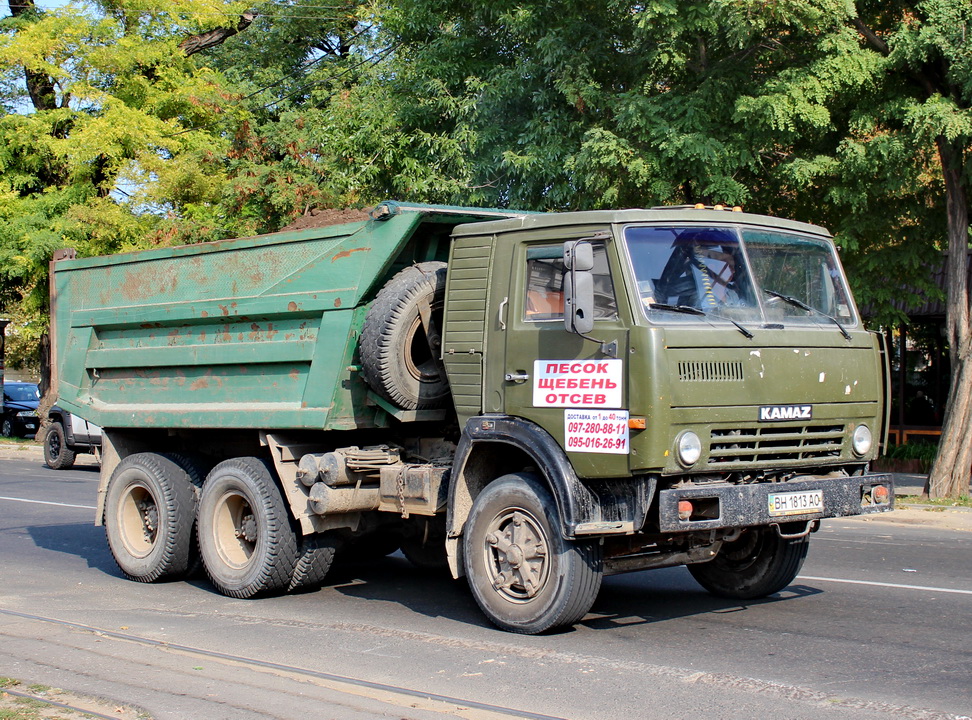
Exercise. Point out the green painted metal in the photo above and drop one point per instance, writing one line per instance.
(793, 365)
(248, 333)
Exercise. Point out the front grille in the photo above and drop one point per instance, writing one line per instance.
(775, 444)
(710, 371)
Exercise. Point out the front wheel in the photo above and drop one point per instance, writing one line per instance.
(758, 564)
(524, 575)
(245, 538)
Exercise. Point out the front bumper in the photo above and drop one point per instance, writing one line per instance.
(734, 506)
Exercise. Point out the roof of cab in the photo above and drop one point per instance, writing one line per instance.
(674, 214)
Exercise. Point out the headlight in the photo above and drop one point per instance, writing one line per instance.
(689, 448)
(26, 413)
(862, 440)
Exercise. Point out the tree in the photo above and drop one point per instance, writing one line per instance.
(911, 112)
(850, 115)
(108, 133)
(927, 46)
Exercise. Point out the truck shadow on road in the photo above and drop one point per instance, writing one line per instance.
(656, 596)
(634, 599)
(639, 598)
(83, 540)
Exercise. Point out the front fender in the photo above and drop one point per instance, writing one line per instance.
(585, 509)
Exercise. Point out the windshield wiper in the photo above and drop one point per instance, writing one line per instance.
(803, 306)
(689, 310)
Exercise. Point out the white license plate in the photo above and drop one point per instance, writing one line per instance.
(796, 503)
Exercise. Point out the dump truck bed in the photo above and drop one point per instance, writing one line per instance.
(249, 333)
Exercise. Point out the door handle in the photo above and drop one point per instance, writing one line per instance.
(517, 377)
(499, 316)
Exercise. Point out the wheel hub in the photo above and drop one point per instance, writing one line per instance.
(150, 518)
(248, 529)
(517, 555)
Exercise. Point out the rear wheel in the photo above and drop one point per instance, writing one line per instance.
(424, 545)
(57, 454)
(758, 564)
(314, 560)
(524, 575)
(149, 512)
(245, 538)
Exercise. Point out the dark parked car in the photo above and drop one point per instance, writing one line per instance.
(20, 401)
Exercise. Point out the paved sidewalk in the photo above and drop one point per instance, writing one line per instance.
(35, 451)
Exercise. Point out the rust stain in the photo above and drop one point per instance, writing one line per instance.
(294, 375)
(203, 382)
(224, 310)
(204, 314)
(174, 337)
(292, 306)
(347, 253)
(337, 302)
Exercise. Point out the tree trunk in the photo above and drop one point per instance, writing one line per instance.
(952, 469)
(40, 86)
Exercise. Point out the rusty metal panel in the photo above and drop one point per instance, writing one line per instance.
(248, 333)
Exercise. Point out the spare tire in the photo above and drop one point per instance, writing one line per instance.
(398, 360)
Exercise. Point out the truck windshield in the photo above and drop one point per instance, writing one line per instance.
(746, 275)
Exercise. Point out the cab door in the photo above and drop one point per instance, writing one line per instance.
(574, 387)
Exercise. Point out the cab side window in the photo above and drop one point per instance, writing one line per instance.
(545, 284)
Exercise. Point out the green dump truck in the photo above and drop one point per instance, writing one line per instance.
(531, 400)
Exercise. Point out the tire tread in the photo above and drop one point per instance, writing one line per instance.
(393, 306)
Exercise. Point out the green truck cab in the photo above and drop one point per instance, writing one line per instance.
(533, 400)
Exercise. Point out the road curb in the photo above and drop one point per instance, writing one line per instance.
(12, 450)
(15, 451)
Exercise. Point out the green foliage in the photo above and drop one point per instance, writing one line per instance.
(924, 451)
(118, 154)
(788, 107)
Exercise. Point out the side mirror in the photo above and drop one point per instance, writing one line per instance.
(578, 287)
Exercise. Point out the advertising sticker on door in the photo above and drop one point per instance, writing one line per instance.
(577, 383)
(596, 431)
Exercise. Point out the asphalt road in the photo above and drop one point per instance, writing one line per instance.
(876, 626)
